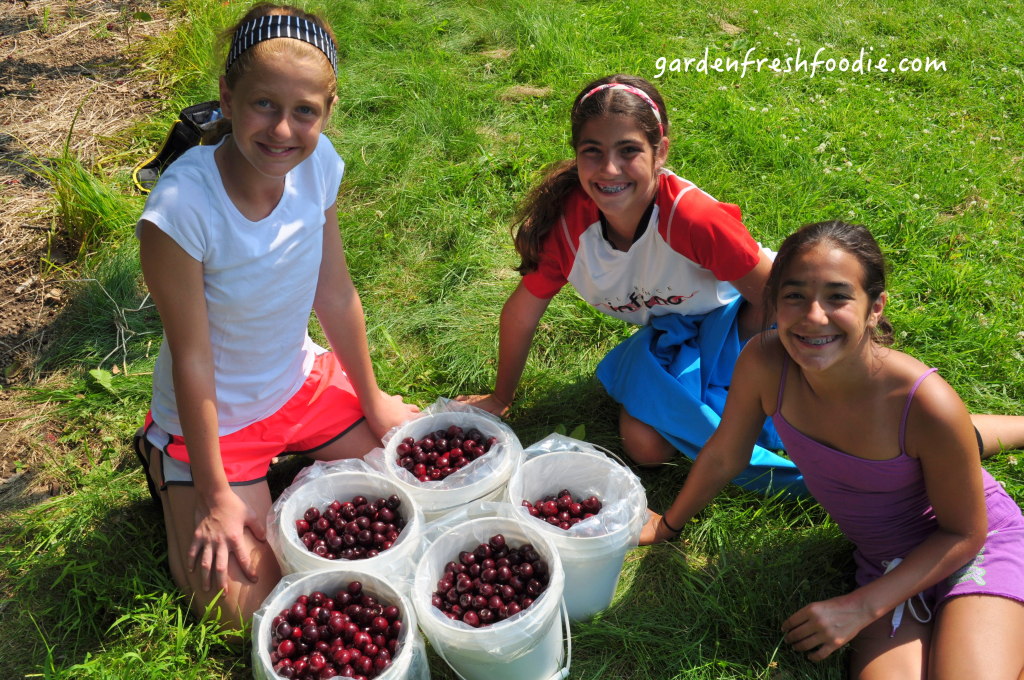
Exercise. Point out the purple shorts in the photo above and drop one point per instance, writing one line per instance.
(998, 568)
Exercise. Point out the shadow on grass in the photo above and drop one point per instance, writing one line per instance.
(682, 615)
(568, 404)
(87, 592)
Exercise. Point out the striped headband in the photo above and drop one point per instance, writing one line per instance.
(632, 90)
(281, 26)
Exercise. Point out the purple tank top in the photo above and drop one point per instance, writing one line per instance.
(881, 506)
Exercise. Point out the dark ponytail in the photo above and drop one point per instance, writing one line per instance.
(541, 210)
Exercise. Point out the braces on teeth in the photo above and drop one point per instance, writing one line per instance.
(819, 341)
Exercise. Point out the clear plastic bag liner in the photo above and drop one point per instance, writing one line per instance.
(409, 664)
(464, 513)
(558, 462)
(324, 482)
(507, 640)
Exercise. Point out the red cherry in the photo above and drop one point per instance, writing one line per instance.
(440, 453)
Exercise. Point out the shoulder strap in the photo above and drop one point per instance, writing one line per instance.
(906, 407)
(782, 382)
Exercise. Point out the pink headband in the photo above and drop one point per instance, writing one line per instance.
(632, 90)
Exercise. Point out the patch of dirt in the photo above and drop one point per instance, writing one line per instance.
(67, 79)
(518, 93)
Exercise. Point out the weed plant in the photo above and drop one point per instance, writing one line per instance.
(447, 112)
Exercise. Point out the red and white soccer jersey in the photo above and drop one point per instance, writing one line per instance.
(693, 246)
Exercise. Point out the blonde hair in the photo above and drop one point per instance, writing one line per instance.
(270, 50)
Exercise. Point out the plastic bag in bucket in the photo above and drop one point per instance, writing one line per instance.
(316, 487)
(409, 661)
(526, 646)
(592, 551)
(484, 478)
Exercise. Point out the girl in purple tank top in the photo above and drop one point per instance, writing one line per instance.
(889, 450)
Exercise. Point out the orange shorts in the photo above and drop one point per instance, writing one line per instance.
(323, 410)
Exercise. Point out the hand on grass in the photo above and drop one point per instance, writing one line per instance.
(486, 402)
(387, 412)
(655, 531)
(219, 534)
(821, 628)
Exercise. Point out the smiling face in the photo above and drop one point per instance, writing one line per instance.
(825, 316)
(277, 111)
(618, 168)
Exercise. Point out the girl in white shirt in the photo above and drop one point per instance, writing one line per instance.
(239, 242)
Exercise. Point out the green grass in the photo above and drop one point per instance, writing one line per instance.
(437, 158)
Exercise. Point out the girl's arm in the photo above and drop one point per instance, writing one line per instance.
(175, 280)
(939, 433)
(727, 452)
(519, 319)
(751, 286)
(340, 312)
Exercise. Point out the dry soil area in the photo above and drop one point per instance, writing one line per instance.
(69, 76)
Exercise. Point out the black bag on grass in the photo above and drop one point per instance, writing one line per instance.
(185, 133)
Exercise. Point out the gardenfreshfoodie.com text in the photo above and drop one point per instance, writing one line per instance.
(863, 63)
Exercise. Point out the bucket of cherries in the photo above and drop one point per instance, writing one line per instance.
(342, 514)
(450, 456)
(337, 624)
(591, 507)
(488, 594)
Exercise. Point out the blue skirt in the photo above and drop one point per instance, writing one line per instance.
(674, 375)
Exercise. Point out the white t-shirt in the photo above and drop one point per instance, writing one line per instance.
(692, 247)
(259, 281)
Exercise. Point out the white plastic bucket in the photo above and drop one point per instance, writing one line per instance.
(527, 646)
(483, 479)
(592, 552)
(397, 563)
(410, 663)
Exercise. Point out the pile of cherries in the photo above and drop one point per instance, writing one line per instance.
(491, 583)
(563, 510)
(443, 452)
(352, 530)
(350, 635)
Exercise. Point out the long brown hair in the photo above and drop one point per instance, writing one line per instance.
(268, 49)
(854, 239)
(543, 205)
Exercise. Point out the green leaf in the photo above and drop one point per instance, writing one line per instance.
(580, 432)
(104, 379)
(142, 16)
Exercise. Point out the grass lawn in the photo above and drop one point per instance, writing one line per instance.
(447, 112)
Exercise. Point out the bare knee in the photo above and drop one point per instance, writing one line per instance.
(642, 443)
(233, 600)
(232, 607)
